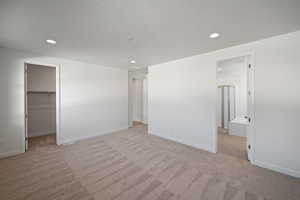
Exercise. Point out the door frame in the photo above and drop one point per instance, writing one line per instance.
(250, 128)
(57, 100)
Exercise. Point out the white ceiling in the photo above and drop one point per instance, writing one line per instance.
(112, 32)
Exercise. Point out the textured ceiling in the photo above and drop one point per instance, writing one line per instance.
(112, 32)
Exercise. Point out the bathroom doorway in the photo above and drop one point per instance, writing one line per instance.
(234, 111)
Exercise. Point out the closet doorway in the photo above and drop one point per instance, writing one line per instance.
(138, 99)
(41, 106)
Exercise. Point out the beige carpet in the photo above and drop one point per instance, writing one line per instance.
(132, 165)
(232, 145)
(136, 124)
(41, 141)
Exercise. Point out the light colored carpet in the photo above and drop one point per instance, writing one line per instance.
(41, 141)
(132, 165)
(136, 123)
(232, 145)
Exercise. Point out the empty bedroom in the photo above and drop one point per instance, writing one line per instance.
(149, 100)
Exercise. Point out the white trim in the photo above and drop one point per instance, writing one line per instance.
(76, 139)
(10, 153)
(190, 144)
(58, 104)
(250, 130)
(39, 63)
(277, 168)
(24, 142)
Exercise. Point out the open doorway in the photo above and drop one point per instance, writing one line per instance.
(138, 99)
(234, 111)
(41, 110)
(137, 102)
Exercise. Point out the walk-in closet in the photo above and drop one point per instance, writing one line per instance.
(40, 106)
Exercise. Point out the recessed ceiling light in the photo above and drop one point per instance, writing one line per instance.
(219, 69)
(133, 61)
(51, 41)
(214, 35)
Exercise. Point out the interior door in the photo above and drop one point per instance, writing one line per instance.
(250, 108)
(26, 107)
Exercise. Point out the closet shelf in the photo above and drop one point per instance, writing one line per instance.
(41, 92)
(40, 107)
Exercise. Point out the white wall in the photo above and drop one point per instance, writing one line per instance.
(182, 106)
(41, 114)
(41, 78)
(94, 99)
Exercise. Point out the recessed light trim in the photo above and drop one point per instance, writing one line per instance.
(49, 41)
(214, 35)
(132, 61)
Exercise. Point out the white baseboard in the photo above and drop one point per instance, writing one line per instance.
(277, 168)
(272, 167)
(76, 139)
(191, 144)
(10, 153)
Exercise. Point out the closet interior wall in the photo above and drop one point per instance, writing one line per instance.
(41, 98)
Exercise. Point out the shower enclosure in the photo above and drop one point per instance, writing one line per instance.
(226, 105)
